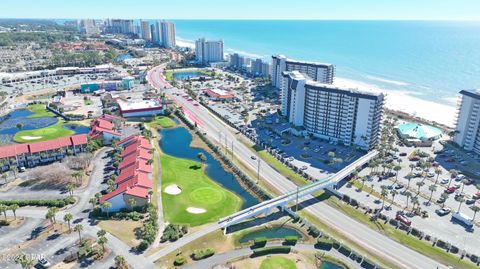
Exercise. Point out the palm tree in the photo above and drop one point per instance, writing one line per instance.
(93, 201)
(101, 233)
(460, 202)
(201, 157)
(24, 260)
(67, 218)
(19, 125)
(412, 166)
(131, 203)
(4, 177)
(120, 262)
(415, 202)
(393, 193)
(419, 185)
(453, 173)
(383, 194)
(14, 208)
(432, 188)
(78, 175)
(51, 214)
(102, 240)
(444, 197)
(70, 189)
(409, 177)
(408, 195)
(78, 228)
(475, 209)
(3, 209)
(397, 168)
(464, 181)
(14, 170)
(106, 206)
(438, 171)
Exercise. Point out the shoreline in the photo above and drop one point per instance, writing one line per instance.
(395, 100)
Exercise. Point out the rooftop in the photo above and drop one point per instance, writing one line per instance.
(140, 104)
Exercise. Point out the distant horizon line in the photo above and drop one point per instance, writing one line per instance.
(245, 19)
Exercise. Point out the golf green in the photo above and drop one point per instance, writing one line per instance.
(277, 262)
(198, 191)
(43, 134)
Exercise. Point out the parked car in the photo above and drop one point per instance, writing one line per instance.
(441, 200)
(398, 186)
(445, 181)
(44, 263)
(253, 157)
(457, 185)
(469, 201)
(403, 154)
(476, 195)
(402, 219)
(443, 211)
(450, 190)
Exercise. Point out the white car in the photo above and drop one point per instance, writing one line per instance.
(445, 181)
(443, 211)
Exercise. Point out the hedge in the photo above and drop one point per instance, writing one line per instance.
(271, 250)
(260, 241)
(324, 243)
(199, 254)
(180, 260)
(291, 239)
(47, 203)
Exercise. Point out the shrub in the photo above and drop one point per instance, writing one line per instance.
(143, 246)
(291, 239)
(313, 231)
(270, 250)
(180, 260)
(199, 254)
(324, 243)
(172, 232)
(47, 203)
(260, 241)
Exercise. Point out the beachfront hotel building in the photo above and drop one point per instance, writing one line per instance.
(340, 115)
(320, 72)
(146, 31)
(467, 126)
(207, 51)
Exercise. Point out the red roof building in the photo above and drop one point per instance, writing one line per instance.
(104, 127)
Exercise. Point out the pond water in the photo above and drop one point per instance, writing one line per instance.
(276, 232)
(186, 75)
(176, 142)
(8, 124)
(330, 265)
(122, 57)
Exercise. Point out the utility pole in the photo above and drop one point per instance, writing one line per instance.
(258, 170)
(296, 204)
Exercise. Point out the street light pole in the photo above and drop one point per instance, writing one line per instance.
(296, 204)
(258, 170)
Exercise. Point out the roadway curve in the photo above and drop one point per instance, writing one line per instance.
(362, 235)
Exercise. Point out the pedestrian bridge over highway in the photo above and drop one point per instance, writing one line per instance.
(293, 196)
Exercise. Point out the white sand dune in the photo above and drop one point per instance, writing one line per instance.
(172, 189)
(27, 137)
(196, 210)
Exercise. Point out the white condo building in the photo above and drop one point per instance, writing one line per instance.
(145, 30)
(342, 115)
(320, 72)
(88, 27)
(208, 51)
(467, 127)
(164, 34)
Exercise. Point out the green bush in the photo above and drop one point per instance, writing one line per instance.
(180, 260)
(172, 232)
(324, 243)
(291, 240)
(260, 241)
(271, 250)
(47, 203)
(199, 254)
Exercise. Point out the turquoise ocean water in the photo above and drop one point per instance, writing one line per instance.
(431, 60)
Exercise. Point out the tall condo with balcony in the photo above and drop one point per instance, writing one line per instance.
(467, 127)
(146, 31)
(320, 72)
(342, 115)
(207, 51)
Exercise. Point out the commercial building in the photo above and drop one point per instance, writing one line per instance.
(88, 27)
(467, 125)
(146, 32)
(219, 94)
(43, 152)
(320, 72)
(340, 115)
(134, 180)
(207, 51)
(140, 108)
(119, 26)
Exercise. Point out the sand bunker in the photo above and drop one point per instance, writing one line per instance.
(27, 137)
(172, 189)
(196, 210)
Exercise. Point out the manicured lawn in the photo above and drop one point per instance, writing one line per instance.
(162, 121)
(122, 229)
(198, 191)
(42, 134)
(278, 263)
(40, 111)
(280, 167)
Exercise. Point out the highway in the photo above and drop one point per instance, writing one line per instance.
(219, 132)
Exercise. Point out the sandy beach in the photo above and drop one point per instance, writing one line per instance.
(402, 101)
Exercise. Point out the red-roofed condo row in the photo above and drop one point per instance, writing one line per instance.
(134, 175)
(105, 127)
(32, 154)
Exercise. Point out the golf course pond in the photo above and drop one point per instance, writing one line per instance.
(194, 192)
(177, 144)
(24, 125)
(271, 233)
(186, 75)
(330, 265)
